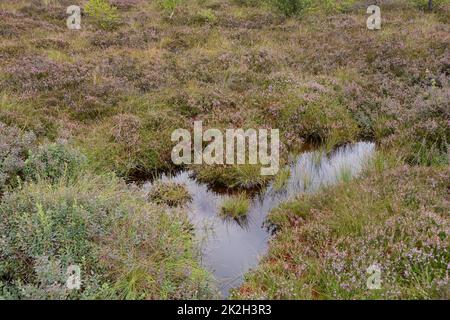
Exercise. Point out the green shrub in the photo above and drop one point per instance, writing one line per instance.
(396, 218)
(248, 3)
(170, 5)
(319, 119)
(295, 7)
(292, 7)
(126, 247)
(102, 14)
(53, 161)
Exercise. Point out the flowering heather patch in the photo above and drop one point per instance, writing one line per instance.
(50, 43)
(97, 100)
(34, 74)
(397, 219)
(61, 84)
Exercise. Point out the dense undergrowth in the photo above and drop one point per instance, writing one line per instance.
(81, 111)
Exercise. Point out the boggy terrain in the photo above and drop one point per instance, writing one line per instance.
(82, 112)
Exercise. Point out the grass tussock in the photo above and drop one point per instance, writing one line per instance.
(235, 206)
(229, 64)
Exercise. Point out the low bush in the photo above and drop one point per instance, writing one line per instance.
(205, 16)
(53, 161)
(433, 4)
(170, 5)
(126, 247)
(235, 206)
(30, 75)
(232, 176)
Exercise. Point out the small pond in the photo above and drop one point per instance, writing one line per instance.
(230, 249)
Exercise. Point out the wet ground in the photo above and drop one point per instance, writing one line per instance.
(231, 248)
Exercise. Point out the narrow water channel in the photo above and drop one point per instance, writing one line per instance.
(230, 249)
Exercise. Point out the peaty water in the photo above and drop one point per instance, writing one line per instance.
(229, 248)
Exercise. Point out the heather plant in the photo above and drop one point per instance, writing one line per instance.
(130, 38)
(14, 147)
(235, 206)
(170, 6)
(49, 11)
(53, 161)
(142, 76)
(126, 129)
(31, 75)
(425, 141)
(125, 4)
(50, 283)
(95, 100)
(103, 14)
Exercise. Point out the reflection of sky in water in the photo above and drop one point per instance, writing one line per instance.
(230, 250)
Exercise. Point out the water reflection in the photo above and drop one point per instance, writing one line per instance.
(229, 248)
